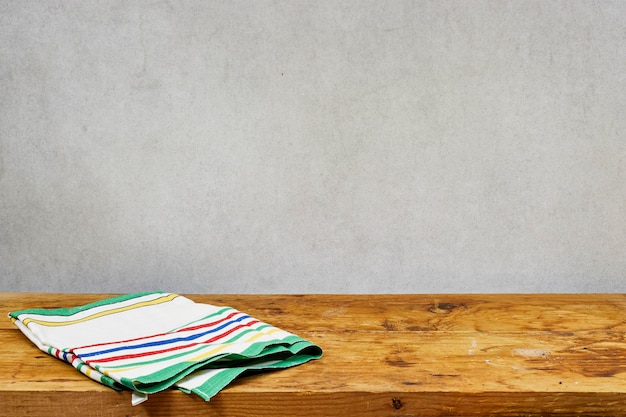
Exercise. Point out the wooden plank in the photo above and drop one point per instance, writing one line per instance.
(408, 361)
(486, 312)
(292, 404)
(427, 355)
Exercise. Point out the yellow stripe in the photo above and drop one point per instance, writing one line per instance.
(222, 347)
(108, 372)
(102, 313)
(256, 336)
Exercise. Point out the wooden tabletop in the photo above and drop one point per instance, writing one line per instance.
(384, 355)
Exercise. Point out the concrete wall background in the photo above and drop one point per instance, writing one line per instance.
(323, 146)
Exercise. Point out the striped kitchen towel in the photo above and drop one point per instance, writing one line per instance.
(152, 341)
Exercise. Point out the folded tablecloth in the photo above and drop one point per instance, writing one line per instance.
(149, 342)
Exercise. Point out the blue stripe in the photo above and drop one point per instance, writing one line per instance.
(163, 342)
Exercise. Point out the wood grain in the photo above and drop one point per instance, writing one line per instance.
(396, 355)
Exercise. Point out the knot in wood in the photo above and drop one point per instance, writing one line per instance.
(442, 308)
(396, 403)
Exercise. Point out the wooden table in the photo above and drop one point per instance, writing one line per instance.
(384, 355)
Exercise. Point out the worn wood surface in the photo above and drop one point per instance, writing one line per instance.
(384, 355)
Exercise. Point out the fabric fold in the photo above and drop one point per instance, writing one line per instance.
(150, 342)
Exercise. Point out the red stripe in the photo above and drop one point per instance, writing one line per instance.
(156, 352)
(160, 334)
(201, 326)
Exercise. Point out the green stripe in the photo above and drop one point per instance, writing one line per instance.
(75, 310)
(203, 318)
(110, 382)
(214, 385)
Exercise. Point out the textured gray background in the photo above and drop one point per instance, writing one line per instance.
(323, 146)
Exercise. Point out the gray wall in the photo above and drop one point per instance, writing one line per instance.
(322, 146)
